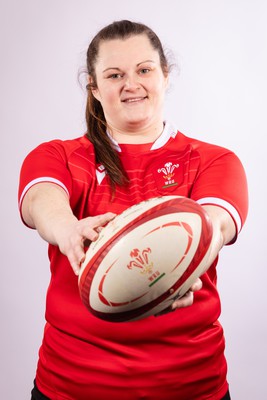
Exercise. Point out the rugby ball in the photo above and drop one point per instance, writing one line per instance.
(145, 258)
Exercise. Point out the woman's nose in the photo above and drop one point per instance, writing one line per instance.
(131, 82)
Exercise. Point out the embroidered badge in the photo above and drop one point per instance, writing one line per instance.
(168, 174)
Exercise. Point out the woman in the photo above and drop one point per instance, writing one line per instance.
(70, 189)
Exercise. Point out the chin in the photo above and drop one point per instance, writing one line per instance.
(141, 121)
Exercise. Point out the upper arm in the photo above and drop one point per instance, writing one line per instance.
(43, 174)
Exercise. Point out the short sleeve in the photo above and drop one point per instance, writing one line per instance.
(222, 181)
(46, 163)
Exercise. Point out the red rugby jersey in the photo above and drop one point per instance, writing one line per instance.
(178, 355)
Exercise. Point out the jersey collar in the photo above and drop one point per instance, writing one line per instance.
(168, 132)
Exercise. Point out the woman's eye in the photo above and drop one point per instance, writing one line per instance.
(144, 70)
(115, 76)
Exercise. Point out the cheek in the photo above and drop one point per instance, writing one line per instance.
(159, 90)
(159, 86)
(107, 96)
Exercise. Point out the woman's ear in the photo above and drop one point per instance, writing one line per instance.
(92, 86)
(167, 81)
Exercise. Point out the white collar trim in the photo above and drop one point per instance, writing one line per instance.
(168, 132)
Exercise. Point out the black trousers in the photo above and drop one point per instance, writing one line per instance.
(37, 395)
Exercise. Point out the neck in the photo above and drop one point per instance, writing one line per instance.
(137, 135)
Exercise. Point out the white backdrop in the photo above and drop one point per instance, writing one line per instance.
(219, 96)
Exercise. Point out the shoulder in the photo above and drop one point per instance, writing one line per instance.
(200, 145)
(65, 148)
(208, 153)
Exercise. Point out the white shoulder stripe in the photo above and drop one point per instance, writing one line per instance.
(39, 180)
(224, 204)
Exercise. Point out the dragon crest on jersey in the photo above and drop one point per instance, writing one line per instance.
(168, 174)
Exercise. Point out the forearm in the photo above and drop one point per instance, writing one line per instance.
(224, 230)
(46, 208)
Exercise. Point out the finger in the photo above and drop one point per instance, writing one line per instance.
(197, 285)
(87, 233)
(76, 258)
(76, 265)
(185, 301)
(91, 228)
(103, 219)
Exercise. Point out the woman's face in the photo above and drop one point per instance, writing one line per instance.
(130, 84)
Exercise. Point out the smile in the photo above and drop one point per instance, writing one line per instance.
(134, 100)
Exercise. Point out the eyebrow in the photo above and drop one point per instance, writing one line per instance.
(142, 62)
(118, 69)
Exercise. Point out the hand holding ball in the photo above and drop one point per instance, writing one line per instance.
(145, 258)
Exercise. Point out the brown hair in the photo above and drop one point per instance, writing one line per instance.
(95, 119)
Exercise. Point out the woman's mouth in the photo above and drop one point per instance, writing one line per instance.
(133, 99)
